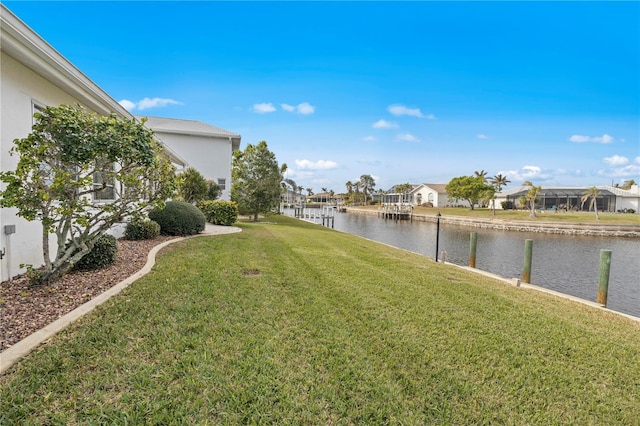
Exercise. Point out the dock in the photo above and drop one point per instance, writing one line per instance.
(396, 212)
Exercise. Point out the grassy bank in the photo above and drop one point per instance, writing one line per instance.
(292, 323)
(523, 215)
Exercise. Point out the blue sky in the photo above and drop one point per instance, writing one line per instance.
(405, 91)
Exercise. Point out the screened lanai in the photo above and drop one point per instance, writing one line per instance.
(566, 199)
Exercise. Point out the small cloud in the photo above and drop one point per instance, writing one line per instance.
(384, 124)
(525, 173)
(593, 139)
(263, 108)
(615, 160)
(407, 137)
(431, 117)
(369, 139)
(127, 104)
(636, 160)
(148, 103)
(628, 171)
(305, 108)
(398, 110)
(316, 165)
(481, 136)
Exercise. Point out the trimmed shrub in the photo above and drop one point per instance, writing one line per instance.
(141, 230)
(179, 218)
(102, 254)
(219, 212)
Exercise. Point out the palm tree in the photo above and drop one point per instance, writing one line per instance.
(366, 183)
(591, 195)
(498, 181)
(628, 184)
(481, 174)
(530, 197)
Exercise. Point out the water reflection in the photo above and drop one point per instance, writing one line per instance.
(565, 263)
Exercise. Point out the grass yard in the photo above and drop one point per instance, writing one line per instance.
(523, 215)
(292, 323)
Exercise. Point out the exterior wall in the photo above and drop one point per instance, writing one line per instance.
(425, 194)
(211, 156)
(20, 88)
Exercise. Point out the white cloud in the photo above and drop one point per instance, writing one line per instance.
(316, 165)
(403, 110)
(407, 137)
(637, 160)
(616, 160)
(431, 117)
(148, 103)
(384, 124)
(369, 139)
(594, 139)
(264, 108)
(127, 104)
(525, 173)
(305, 108)
(481, 136)
(628, 171)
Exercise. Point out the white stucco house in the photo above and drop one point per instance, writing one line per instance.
(34, 75)
(206, 148)
(433, 194)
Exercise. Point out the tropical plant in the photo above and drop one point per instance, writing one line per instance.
(214, 191)
(470, 188)
(628, 184)
(192, 186)
(403, 189)
(481, 174)
(591, 195)
(530, 197)
(256, 180)
(367, 183)
(498, 181)
(80, 173)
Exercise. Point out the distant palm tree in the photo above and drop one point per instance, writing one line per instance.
(628, 184)
(498, 181)
(591, 195)
(481, 174)
(530, 197)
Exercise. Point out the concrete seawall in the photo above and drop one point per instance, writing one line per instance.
(593, 229)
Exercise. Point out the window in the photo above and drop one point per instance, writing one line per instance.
(104, 181)
(222, 183)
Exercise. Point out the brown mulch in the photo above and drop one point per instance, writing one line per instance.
(25, 309)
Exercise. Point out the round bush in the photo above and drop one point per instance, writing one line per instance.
(102, 254)
(141, 230)
(179, 218)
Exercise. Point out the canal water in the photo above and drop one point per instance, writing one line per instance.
(565, 263)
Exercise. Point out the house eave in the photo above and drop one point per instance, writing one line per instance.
(23, 44)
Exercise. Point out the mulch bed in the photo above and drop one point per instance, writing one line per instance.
(25, 309)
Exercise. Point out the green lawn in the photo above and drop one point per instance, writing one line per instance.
(547, 216)
(290, 323)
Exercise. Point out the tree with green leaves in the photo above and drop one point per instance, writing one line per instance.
(498, 181)
(256, 180)
(628, 184)
(470, 188)
(403, 190)
(80, 173)
(530, 198)
(367, 183)
(591, 195)
(214, 190)
(192, 186)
